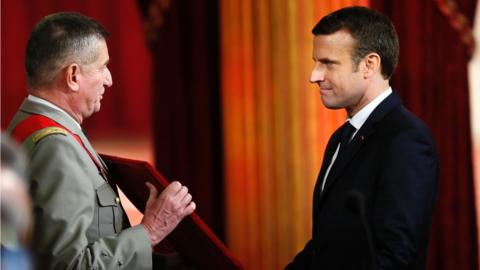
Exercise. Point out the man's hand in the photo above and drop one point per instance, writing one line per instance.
(164, 212)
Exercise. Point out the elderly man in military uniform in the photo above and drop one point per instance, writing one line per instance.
(79, 221)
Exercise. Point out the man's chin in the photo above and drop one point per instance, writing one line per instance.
(331, 105)
(97, 108)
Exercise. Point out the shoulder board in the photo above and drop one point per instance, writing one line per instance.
(48, 131)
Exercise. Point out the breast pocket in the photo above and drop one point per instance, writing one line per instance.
(109, 214)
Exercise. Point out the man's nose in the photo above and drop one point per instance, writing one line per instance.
(317, 75)
(108, 79)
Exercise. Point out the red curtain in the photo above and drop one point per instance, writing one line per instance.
(432, 80)
(188, 143)
(126, 107)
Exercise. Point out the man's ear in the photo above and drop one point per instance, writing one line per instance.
(372, 65)
(71, 74)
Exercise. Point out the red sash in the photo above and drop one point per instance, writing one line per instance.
(36, 122)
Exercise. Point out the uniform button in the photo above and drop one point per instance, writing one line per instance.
(117, 200)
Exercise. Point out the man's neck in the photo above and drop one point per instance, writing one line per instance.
(375, 89)
(59, 100)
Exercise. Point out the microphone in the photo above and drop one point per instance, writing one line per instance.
(355, 202)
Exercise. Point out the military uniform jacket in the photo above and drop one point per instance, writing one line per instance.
(79, 222)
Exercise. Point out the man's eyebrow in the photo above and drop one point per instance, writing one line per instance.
(327, 60)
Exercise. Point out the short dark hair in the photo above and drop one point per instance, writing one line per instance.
(372, 31)
(58, 40)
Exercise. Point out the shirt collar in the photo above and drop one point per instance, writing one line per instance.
(360, 117)
(51, 105)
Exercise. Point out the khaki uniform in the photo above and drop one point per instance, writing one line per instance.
(79, 222)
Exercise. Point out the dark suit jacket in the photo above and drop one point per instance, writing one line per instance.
(392, 162)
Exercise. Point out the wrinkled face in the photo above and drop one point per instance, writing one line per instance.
(341, 82)
(93, 79)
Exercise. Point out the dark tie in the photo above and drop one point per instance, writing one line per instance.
(346, 136)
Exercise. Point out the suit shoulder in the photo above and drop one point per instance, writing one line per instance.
(401, 119)
(401, 123)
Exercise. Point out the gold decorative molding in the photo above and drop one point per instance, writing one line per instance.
(459, 22)
(154, 19)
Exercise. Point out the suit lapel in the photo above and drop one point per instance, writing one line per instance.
(329, 152)
(367, 129)
(343, 159)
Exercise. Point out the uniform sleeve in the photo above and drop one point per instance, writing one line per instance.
(404, 204)
(64, 201)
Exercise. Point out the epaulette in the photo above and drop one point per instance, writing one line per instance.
(48, 131)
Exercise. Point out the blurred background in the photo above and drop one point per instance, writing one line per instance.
(215, 94)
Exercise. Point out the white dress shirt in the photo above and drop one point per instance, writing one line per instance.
(357, 122)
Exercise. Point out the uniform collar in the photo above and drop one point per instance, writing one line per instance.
(47, 103)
